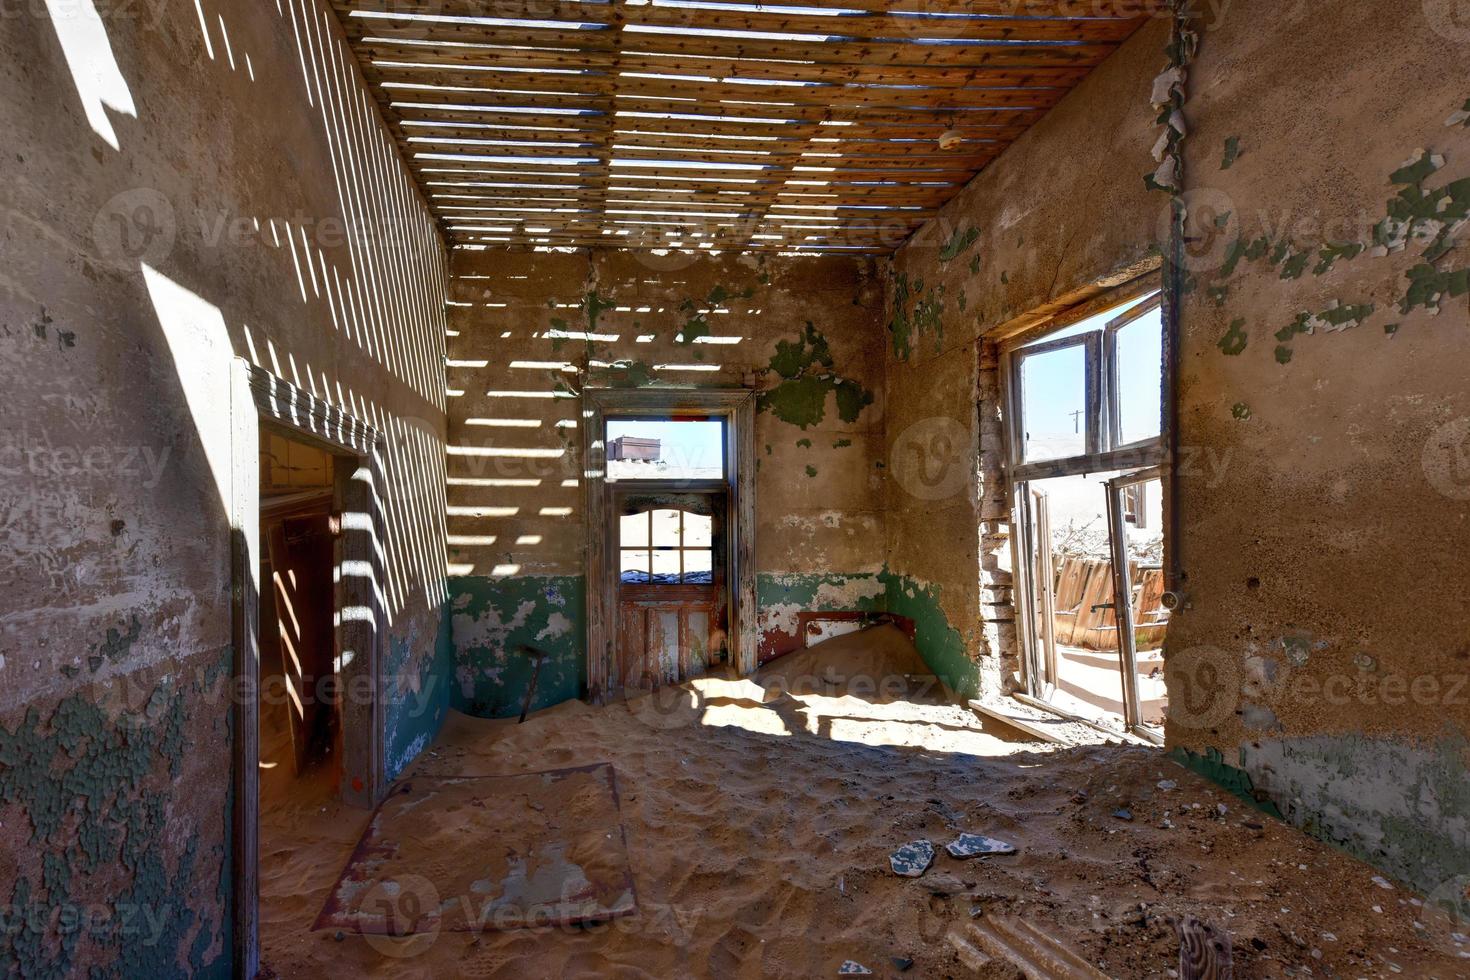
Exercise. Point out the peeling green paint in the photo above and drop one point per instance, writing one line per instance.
(94, 782)
(695, 327)
(939, 643)
(958, 244)
(492, 618)
(416, 699)
(929, 317)
(1334, 318)
(1241, 411)
(697, 323)
(898, 325)
(593, 306)
(1397, 804)
(1232, 153)
(628, 373)
(805, 367)
(1428, 287)
(1234, 340)
(1295, 265)
(1423, 215)
(1331, 253)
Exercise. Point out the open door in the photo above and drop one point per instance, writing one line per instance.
(1085, 449)
(1133, 511)
(297, 617)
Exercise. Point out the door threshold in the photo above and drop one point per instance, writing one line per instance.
(1128, 737)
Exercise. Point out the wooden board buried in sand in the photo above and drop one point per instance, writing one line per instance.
(488, 852)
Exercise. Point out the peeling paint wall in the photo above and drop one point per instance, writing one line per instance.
(1318, 667)
(1032, 234)
(528, 331)
(182, 184)
(1324, 405)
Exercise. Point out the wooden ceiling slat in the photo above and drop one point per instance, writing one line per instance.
(908, 148)
(870, 26)
(1043, 77)
(603, 11)
(657, 124)
(874, 52)
(396, 46)
(602, 37)
(594, 11)
(813, 171)
(926, 124)
(627, 86)
(850, 201)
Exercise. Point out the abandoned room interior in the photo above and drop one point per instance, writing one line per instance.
(569, 488)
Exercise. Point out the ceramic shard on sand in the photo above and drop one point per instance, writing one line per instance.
(913, 859)
(973, 845)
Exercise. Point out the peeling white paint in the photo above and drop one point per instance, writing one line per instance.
(556, 625)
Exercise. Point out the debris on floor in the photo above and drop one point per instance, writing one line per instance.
(913, 859)
(758, 824)
(973, 845)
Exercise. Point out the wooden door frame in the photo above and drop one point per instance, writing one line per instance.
(257, 397)
(737, 407)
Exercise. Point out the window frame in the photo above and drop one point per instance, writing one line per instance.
(666, 481)
(1102, 403)
(650, 549)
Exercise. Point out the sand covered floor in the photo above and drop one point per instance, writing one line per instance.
(759, 825)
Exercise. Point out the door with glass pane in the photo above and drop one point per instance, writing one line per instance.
(671, 588)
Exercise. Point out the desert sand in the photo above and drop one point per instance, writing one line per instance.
(760, 814)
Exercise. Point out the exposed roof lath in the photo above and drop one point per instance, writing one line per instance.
(810, 126)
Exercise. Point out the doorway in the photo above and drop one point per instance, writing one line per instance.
(300, 726)
(308, 516)
(1086, 451)
(670, 520)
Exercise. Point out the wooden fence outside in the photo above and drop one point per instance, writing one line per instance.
(1085, 583)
